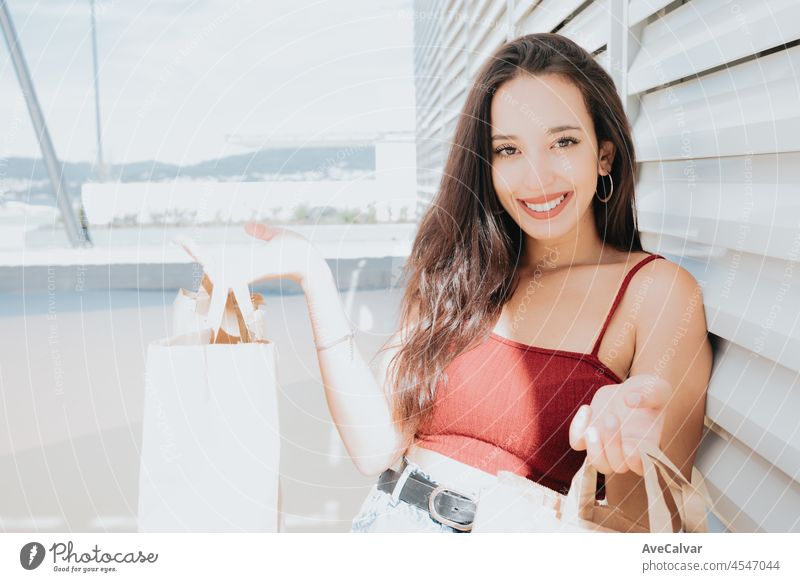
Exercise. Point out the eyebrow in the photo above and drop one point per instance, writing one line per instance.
(556, 129)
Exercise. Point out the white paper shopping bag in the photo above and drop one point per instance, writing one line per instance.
(516, 504)
(210, 435)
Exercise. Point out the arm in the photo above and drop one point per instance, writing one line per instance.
(672, 344)
(359, 403)
(669, 374)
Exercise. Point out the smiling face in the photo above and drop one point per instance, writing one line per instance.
(545, 158)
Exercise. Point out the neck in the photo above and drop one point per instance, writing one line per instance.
(581, 246)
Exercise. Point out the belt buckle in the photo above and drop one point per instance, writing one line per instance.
(442, 519)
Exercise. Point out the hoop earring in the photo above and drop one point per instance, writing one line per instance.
(607, 198)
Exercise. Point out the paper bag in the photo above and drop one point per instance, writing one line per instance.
(210, 435)
(517, 504)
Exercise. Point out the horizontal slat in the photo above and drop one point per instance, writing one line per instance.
(426, 103)
(432, 21)
(761, 316)
(430, 115)
(429, 93)
(424, 100)
(457, 28)
(757, 402)
(430, 47)
(490, 20)
(480, 12)
(456, 63)
(749, 494)
(749, 301)
(449, 130)
(455, 93)
(428, 66)
(436, 135)
(590, 27)
(522, 9)
(749, 108)
(451, 114)
(488, 45)
(452, 5)
(455, 50)
(605, 61)
(745, 204)
(547, 15)
(428, 120)
(704, 34)
(491, 44)
(641, 9)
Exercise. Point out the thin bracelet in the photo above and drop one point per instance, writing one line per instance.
(347, 336)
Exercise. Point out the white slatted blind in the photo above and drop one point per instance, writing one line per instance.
(712, 90)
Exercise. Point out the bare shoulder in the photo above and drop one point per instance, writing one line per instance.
(668, 300)
(669, 285)
(672, 325)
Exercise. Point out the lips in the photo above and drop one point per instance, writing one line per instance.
(545, 198)
(549, 213)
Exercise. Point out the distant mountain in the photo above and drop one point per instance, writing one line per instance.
(320, 163)
(26, 180)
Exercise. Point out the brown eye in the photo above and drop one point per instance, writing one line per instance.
(566, 142)
(505, 151)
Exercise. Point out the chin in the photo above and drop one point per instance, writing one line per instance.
(545, 236)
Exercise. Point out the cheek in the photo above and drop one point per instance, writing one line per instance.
(503, 182)
(588, 170)
(500, 180)
(583, 176)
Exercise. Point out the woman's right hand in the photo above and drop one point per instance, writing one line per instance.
(284, 254)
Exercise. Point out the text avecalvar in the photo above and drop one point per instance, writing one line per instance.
(671, 549)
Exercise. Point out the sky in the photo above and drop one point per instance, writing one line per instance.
(178, 77)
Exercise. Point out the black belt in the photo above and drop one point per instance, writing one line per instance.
(446, 506)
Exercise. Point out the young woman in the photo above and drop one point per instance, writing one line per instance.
(535, 332)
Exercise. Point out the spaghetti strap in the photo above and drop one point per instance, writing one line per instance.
(618, 299)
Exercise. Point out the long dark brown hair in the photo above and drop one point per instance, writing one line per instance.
(463, 265)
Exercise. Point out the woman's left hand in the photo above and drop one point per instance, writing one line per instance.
(620, 417)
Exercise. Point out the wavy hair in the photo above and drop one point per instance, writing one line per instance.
(463, 265)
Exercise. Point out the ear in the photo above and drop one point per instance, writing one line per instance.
(606, 158)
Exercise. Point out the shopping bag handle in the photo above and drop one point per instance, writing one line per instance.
(226, 274)
(691, 498)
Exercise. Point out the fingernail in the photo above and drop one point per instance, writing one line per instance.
(611, 422)
(628, 449)
(633, 399)
(591, 435)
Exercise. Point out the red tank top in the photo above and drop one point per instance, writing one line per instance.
(507, 406)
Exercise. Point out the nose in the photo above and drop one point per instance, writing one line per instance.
(539, 173)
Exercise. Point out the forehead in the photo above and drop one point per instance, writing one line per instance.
(528, 102)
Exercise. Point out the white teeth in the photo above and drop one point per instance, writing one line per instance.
(546, 207)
